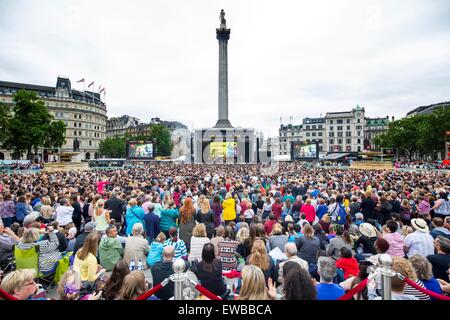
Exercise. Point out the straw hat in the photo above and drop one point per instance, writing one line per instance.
(420, 225)
(368, 230)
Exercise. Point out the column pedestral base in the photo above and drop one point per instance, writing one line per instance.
(223, 123)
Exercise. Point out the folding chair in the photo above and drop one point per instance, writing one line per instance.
(29, 259)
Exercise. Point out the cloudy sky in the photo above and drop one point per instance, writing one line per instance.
(159, 58)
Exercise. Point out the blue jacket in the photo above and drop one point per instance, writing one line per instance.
(155, 253)
(134, 215)
(151, 225)
(21, 211)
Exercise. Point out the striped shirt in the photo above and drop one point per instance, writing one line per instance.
(180, 248)
(414, 292)
(197, 244)
(227, 254)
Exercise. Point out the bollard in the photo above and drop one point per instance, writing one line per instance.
(178, 278)
(385, 261)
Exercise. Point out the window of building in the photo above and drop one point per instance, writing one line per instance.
(339, 141)
(339, 134)
(358, 120)
(359, 149)
(308, 134)
(348, 127)
(314, 127)
(340, 121)
(79, 133)
(307, 127)
(331, 134)
(339, 127)
(74, 133)
(313, 134)
(331, 121)
(358, 127)
(320, 140)
(349, 141)
(358, 133)
(348, 134)
(359, 140)
(331, 128)
(331, 141)
(348, 120)
(319, 134)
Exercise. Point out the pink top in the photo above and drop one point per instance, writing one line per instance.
(101, 186)
(309, 212)
(396, 242)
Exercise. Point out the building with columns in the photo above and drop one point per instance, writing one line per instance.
(84, 114)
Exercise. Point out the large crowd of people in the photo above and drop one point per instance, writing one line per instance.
(297, 232)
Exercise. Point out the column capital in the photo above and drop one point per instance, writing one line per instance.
(223, 34)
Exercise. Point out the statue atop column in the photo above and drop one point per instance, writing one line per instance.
(223, 22)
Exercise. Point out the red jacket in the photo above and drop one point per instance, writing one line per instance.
(309, 212)
(349, 265)
(268, 226)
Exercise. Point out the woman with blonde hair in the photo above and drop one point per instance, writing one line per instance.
(187, 222)
(46, 210)
(133, 286)
(406, 269)
(101, 217)
(262, 260)
(85, 262)
(205, 215)
(135, 214)
(20, 283)
(253, 284)
(277, 239)
(198, 240)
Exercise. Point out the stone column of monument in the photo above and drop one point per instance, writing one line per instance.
(223, 35)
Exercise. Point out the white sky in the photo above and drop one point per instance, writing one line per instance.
(159, 58)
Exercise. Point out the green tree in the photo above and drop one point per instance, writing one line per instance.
(55, 137)
(30, 126)
(161, 135)
(5, 118)
(113, 147)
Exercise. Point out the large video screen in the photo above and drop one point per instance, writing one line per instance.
(140, 150)
(302, 151)
(223, 149)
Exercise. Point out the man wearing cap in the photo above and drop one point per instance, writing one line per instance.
(88, 228)
(420, 241)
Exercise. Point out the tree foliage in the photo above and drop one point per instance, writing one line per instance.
(31, 126)
(419, 136)
(161, 135)
(113, 147)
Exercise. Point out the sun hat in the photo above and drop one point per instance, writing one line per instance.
(368, 230)
(420, 225)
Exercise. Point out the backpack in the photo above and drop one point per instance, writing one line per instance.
(341, 217)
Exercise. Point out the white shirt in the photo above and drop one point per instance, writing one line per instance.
(64, 215)
(420, 243)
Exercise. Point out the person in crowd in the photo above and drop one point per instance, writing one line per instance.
(8, 210)
(395, 240)
(114, 283)
(298, 284)
(64, 212)
(217, 238)
(367, 239)
(262, 260)
(253, 284)
(116, 208)
(309, 211)
(198, 240)
(424, 273)
(88, 228)
(101, 217)
(353, 281)
(441, 207)
(187, 221)
(47, 211)
(229, 209)
(341, 240)
(71, 238)
(441, 260)
(20, 283)
(290, 250)
(168, 218)
(178, 244)
(277, 208)
(77, 211)
(162, 270)
(405, 268)
(420, 241)
(135, 214)
(269, 224)
(205, 215)
(209, 271)
(48, 248)
(326, 289)
(347, 263)
(156, 249)
(277, 238)
(136, 247)
(110, 250)
(308, 248)
(85, 262)
(368, 205)
(152, 222)
(438, 228)
(133, 286)
(216, 207)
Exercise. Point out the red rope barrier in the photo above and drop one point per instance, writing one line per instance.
(153, 290)
(5, 295)
(426, 291)
(206, 292)
(355, 290)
